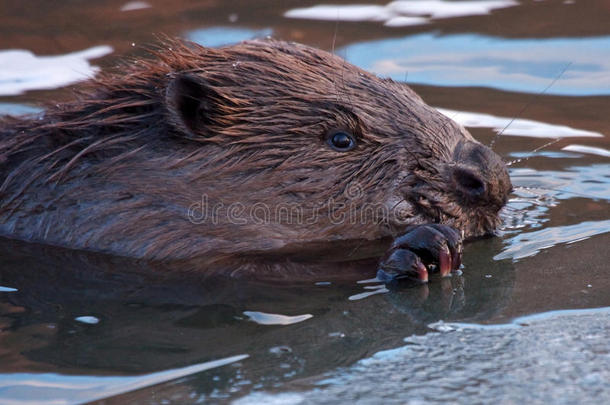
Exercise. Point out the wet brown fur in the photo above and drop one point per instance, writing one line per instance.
(118, 169)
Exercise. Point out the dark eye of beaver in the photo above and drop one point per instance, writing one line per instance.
(341, 141)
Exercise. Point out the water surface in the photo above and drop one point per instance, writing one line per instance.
(77, 327)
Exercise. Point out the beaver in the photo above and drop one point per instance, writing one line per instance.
(263, 147)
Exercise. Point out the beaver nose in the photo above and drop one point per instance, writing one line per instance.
(479, 176)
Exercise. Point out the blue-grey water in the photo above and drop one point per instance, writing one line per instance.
(78, 327)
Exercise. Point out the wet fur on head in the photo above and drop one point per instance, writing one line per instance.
(119, 168)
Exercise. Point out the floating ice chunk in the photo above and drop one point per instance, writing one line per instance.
(263, 318)
(399, 13)
(21, 70)
(518, 126)
(91, 320)
(364, 12)
(587, 149)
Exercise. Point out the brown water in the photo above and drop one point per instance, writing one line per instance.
(76, 327)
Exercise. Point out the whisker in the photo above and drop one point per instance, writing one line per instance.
(396, 205)
(531, 154)
(347, 93)
(559, 190)
(531, 100)
(355, 249)
(332, 49)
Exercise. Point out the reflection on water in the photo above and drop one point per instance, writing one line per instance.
(101, 323)
(52, 389)
(400, 13)
(525, 65)
(538, 191)
(530, 243)
(372, 290)
(590, 182)
(17, 109)
(219, 36)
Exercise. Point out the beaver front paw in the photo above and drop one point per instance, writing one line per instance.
(420, 249)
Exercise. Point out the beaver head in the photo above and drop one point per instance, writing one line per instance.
(245, 148)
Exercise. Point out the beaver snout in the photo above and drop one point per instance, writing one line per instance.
(479, 176)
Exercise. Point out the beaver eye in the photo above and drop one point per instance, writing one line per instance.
(341, 141)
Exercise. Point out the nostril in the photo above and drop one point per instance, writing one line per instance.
(469, 182)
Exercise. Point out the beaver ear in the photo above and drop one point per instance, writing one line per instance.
(189, 100)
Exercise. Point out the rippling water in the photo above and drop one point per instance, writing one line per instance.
(77, 326)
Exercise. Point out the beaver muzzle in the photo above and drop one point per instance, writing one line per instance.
(479, 176)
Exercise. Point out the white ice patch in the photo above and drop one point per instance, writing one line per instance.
(518, 126)
(587, 149)
(399, 13)
(21, 70)
(363, 12)
(263, 318)
(448, 9)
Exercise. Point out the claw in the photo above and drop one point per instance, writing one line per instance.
(422, 273)
(402, 264)
(420, 251)
(444, 262)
